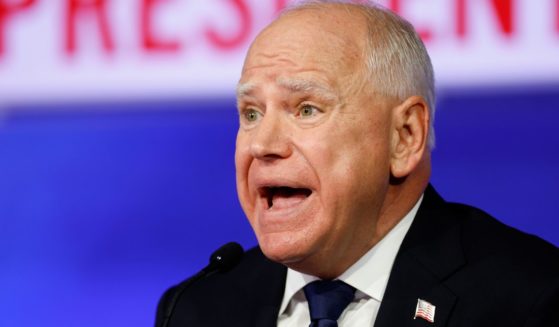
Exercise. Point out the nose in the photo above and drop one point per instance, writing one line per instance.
(271, 139)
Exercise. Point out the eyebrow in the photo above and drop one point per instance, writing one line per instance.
(245, 89)
(293, 85)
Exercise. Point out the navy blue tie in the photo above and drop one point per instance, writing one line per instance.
(327, 300)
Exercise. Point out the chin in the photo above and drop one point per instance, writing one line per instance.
(282, 249)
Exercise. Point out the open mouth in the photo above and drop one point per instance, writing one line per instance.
(283, 196)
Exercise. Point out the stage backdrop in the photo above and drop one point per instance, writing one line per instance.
(117, 132)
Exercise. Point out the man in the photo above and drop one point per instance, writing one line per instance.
(336, 107)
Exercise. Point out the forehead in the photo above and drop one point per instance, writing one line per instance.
(325, 44)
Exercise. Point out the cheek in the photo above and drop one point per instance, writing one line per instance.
(243, 156)
(336, 156)
(351, 166)
(242, 165)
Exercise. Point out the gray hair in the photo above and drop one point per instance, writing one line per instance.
(396, 58)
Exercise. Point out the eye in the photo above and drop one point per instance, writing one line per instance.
(307, 110)
(251, 115)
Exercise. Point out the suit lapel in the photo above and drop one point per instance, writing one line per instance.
(263, 291)
(429, 254)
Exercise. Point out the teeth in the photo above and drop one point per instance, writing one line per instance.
(270, 194)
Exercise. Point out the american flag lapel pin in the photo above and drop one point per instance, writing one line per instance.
(425, 310)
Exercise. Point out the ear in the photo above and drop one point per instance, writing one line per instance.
(410, 126)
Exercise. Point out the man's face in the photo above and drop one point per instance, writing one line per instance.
(312, 154)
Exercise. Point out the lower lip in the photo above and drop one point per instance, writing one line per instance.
(283, 213)
(285, 203)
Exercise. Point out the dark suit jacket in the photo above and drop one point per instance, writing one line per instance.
(475, 270)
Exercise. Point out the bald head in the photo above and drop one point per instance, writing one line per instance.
(331, 37)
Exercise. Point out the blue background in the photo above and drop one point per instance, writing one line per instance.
(105, 205)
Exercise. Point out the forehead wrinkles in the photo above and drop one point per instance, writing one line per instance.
(269, 56)
(299, 85)
(329, 61)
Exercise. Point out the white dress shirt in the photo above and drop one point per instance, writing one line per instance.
(369, 275)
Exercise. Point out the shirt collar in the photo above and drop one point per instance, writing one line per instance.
(370, 273)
